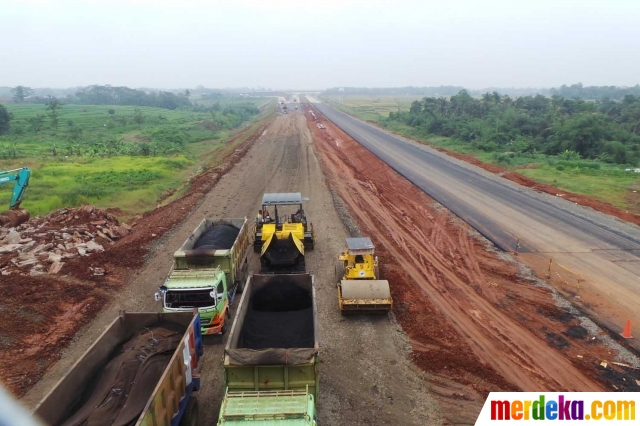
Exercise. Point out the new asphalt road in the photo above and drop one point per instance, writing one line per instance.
(603, 251)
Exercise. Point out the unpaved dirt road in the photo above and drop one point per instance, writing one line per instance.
(594, 256)
(366, 377)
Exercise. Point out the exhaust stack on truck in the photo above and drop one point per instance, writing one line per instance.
(271, 357)
(142, 370)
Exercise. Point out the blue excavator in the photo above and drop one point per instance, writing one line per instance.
(20, 177)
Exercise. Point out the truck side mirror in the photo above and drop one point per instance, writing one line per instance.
(157, 297)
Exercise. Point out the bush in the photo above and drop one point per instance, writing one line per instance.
(5, 117)
(170, 136)
(616, 151)
(591, 165)
(488, 146)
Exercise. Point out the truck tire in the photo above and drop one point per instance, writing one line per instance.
(190, 416)
(223, 330)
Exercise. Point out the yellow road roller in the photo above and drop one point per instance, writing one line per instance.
(360, 288)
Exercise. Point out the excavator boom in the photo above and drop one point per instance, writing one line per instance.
(20, 177)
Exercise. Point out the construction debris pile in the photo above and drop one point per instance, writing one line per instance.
(43, 244)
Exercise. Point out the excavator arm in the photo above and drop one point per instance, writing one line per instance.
(20, 177)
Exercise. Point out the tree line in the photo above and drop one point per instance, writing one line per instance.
(595, 92)
(605, 129)
(109, 95)
(391, 91)
(572, 91)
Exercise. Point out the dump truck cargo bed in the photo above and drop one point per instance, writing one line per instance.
(218, 249)
(273, 344)
(170, 368)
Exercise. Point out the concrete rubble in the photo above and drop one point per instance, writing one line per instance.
(43, 244)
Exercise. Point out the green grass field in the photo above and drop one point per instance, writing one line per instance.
(605, 182)
(371, 107)
(134, 183)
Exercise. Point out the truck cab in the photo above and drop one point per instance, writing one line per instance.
(204, 289)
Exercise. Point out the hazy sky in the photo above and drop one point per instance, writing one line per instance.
(317, 44)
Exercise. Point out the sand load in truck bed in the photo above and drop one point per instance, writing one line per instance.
(280, 316)
(219, 237)
(123, 386)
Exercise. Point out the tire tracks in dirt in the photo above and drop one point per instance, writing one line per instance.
(482, 328)
(366, 375)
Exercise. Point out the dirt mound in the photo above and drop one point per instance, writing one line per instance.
(41, 314)
(219, 237)
(43, 244)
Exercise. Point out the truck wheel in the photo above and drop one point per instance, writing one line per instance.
(190, 416)
(223, 330)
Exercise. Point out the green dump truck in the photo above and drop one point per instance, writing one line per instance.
(209, 268)
(271, 357)
(142, 370)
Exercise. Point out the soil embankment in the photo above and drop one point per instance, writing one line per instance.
(366, 376)
(472, 315)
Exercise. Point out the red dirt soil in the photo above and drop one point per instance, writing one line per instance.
(470, 315)
(40, 315)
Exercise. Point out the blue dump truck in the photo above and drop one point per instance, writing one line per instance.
(271, 357)
(142, 370)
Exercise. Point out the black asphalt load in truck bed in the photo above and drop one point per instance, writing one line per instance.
(280, 316)
(219, 237)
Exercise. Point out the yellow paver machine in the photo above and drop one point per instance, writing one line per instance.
(359, 286)
(283, 239)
